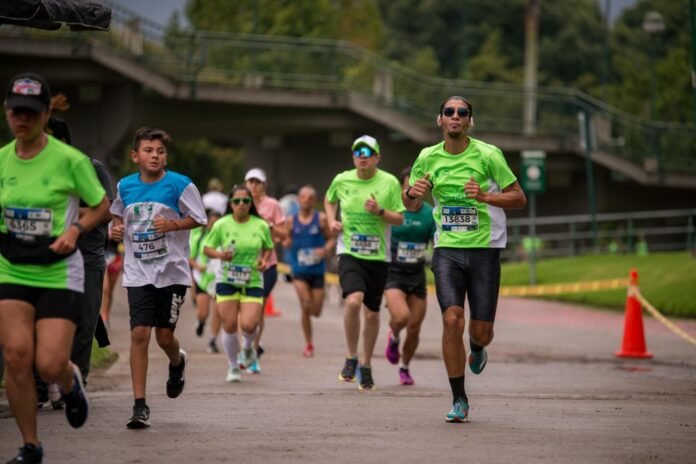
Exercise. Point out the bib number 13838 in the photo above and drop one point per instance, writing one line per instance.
(459, 219)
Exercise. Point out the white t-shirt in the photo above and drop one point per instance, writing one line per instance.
(151, 258)
(217, 201)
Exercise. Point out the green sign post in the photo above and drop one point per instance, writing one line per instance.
(533, 181)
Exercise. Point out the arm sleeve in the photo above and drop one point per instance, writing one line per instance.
(212, 240)
(417, 171)
(332, 192)
(191, 205)
(500, 171)
(86, 182)
(117, 206)
(267, 240)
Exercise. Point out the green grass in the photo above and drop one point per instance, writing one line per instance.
(667, 280)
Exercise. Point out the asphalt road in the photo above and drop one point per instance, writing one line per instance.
(552, 392)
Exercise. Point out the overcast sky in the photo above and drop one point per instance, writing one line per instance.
(161, 10)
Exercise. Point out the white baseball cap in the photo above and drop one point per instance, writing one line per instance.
(256, 173)
(368, 141)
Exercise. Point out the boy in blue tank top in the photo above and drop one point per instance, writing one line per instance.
(309, 243)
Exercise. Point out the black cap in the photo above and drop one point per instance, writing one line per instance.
(28, 90)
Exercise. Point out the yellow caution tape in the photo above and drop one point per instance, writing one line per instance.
(666, 322)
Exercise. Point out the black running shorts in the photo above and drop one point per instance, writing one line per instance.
(47, 302)
(155, 307)
(361, 275)
(407, 280)
(315, 281)
(468, 271)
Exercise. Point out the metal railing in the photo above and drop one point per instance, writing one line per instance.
(304, 65)
(665, 230)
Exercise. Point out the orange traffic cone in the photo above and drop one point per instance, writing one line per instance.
(270, 310)
(633, 345)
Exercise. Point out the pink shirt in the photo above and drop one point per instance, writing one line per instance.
(269, 210)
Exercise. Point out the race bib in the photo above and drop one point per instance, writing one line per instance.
(364, 244)
(409, 252)
(459, 219)
(149, 245)
(239, 275)
(308, 257)
(37, 222)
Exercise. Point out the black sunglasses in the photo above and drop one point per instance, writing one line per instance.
(237, 201)
(461, 111)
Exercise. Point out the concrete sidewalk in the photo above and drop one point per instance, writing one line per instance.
(552, 392)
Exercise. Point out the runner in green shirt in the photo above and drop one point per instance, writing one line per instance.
(242, 240)
(405, 290)
(370, 201)
(203, 285)
(41, 271)
(472, 186)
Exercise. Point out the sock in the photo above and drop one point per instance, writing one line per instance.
(404, 366)
(248, 339)
(140, 402)
(474, 346)
(457, 385)
(230, 344)
(394, 337)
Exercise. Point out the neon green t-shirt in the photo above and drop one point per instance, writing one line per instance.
(365, 235)
(248, 240)
(463, 222)
(40, 197)
(196, 245)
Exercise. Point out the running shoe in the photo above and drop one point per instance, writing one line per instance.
(247, 357)
(200, 325)
(405, 376)
(212, 346)
(392, 351)
(234, 374)
(76, 403)
(254, 368)
(366, 381)
(28, 454)
(349, 368)
(477, 361)
(177, 376)
(459, 412)
(55, 396)
(308, 351)
(140, 418)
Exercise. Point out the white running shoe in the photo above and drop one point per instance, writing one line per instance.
(234, 374)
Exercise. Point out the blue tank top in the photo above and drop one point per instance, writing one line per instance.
(305, 239)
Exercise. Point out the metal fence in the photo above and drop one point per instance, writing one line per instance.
(669, 230)
(304, 65)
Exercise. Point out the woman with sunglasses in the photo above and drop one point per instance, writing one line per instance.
(472, 185)
(242, 241)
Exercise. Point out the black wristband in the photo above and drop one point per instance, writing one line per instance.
(80, 227)
(409, 196)
(380, 212)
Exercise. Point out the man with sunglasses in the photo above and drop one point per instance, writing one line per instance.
(370, 201)
(472, 186)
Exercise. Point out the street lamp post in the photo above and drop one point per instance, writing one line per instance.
(653, 24)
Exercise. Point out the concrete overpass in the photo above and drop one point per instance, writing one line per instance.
(298, 135)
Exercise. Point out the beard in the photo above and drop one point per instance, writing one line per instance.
(456, 134)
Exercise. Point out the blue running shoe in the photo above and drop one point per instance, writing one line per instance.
(477, 361)
(254, 368)
(459, 412)
(76, 402)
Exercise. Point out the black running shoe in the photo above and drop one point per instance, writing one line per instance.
(140, 418)
(177, 377)
(348, 372)
(28, 454)
(76, 403)
(366, 381)
(200, 325)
